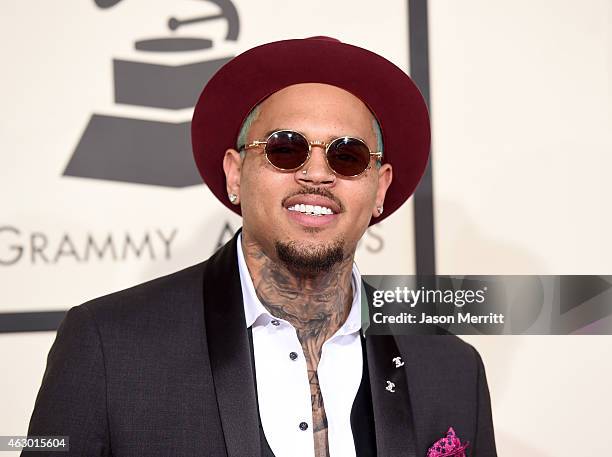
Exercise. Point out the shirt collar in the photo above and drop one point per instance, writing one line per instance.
(256, 313)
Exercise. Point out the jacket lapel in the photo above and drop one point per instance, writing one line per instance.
(229, 352)
(408, 421)
(393, 421)
(425, 417)
(391, 399)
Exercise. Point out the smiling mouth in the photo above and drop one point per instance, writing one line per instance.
(311, 210)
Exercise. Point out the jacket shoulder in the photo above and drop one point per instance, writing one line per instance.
(454, 363)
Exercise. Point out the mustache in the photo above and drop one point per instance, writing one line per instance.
(316, 191)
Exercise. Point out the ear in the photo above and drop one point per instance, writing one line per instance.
(385, 176)
(232, 164)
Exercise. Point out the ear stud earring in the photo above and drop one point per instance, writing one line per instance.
(233, 198)
(380, 209)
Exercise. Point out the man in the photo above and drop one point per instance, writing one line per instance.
(258, 350)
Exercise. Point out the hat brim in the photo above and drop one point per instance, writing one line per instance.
(252, 76)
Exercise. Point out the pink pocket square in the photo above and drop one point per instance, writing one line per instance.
(448, 446)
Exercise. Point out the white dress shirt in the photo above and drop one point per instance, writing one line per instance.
(283, 391)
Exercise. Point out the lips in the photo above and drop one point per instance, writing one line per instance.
(312, 210)
(308, 203)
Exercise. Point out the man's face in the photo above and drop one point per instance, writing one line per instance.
(321, 112)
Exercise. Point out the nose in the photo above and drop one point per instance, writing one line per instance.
(317, 171)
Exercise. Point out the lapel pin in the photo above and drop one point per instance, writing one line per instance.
(390, 386)
(398, 362)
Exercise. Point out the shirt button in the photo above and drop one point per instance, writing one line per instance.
(303, 426)
(275, 322)
(293, 355)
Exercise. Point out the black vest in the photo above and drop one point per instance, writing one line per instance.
(362, 415)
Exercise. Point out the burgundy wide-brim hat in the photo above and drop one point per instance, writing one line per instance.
(252, 76)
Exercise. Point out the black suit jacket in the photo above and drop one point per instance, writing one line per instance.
(164, 369)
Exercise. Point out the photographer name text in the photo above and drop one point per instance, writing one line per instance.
(460, 318)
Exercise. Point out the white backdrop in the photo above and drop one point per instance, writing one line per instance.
(522, 116)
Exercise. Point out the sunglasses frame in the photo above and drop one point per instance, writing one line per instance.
(326, 145)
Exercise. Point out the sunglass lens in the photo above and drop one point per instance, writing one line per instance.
(287, 150)
(348, 156)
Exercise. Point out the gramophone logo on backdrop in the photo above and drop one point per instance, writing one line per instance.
(114, 148)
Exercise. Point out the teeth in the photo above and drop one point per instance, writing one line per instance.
(313, 210)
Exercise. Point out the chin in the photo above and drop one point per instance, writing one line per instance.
(310, 256)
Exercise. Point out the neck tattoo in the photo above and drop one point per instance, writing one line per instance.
(316, 304)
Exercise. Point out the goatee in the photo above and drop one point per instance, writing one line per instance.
(310, 260)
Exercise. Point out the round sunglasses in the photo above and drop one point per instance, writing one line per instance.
(288, 150)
